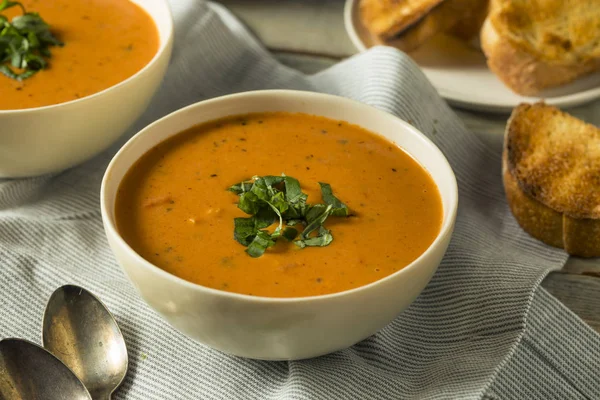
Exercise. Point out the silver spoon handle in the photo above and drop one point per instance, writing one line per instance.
(100, 396)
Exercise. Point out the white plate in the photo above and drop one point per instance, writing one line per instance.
(460, 74)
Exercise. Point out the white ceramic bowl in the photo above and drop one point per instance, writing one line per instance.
(43, 140)
(280, 328)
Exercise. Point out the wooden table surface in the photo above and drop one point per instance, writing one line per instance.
(309, 35)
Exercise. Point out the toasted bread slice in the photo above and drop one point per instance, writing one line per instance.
(551, 173)
(535, 44)
(469, 26)
(387, 18)
(462, 17)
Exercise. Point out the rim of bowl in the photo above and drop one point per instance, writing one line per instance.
(445, 230)
(351, 31)
(163, 45)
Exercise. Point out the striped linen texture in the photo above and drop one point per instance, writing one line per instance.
(482, 329)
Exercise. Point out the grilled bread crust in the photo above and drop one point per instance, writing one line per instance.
(536, 44)
(388, 18)
(461, 18)
(551, 174)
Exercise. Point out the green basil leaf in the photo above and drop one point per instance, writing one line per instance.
(277, 231)
(272, 181)
(278, 201)
(4, 4)
(44, 51)
(244, 230)
(30, 22)
(241, 187)
(260, 189)
(249, 203)
(17, 59)
(289, 233)
(315, 217)
(292, 222)
(34, 62)
(324, 238)
(265, 218)
(339, 208)
(33, 40)
(295, 198)
(262, 241)
(293, 191)
(5, 70)
(26, 74)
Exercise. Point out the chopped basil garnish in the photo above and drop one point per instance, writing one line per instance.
(271, 199)
(339, 208)
(24, 43)
(322, 239)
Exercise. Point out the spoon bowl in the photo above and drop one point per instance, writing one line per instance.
(28, 371)
(82, 333)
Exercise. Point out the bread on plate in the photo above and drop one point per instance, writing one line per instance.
(387, 18)
(551, 173)
(460, 18)
(536, 44)
(407, 25)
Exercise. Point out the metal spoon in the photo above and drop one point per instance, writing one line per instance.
(79, 330)
(28, 371)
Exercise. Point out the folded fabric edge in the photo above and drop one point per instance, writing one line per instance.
(558, 356)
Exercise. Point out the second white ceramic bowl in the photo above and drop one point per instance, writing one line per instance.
(280, 328)
(43, 140)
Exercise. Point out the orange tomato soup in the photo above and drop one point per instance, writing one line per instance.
(173, 207)
(106, 42)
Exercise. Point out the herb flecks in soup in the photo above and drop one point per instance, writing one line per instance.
(24, 43)
(106, 42)
(173, 207)
(280, 200)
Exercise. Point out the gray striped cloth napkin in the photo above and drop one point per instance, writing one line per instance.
(483, 328)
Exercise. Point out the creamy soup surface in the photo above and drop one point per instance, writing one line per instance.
(173, 207)
(106, 42)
